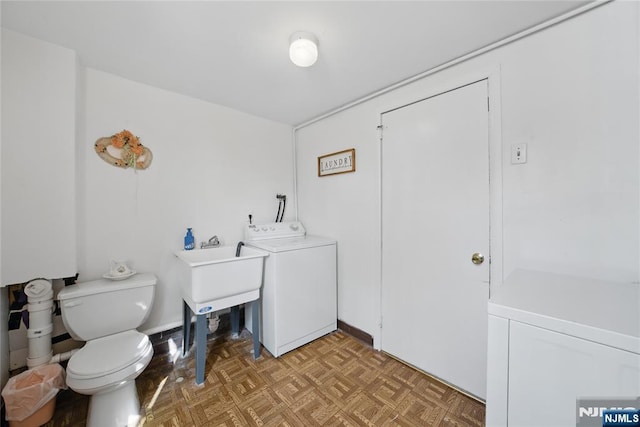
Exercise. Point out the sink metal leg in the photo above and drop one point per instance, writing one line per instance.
(235, 321)
(186, 328)
(201, 334)
(255, 327)
(201, 346)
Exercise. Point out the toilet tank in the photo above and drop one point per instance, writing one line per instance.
(104, 307)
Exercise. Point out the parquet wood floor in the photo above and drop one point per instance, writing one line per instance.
(333, 381)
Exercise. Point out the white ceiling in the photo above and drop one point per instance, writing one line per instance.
(235, 53)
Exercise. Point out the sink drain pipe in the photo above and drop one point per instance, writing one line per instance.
(40, 306)
(40, 296)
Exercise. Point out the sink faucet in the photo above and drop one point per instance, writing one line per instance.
(213, 242)
(239, 248)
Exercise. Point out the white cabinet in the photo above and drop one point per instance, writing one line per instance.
(38, 166)
(497, 371)
(554, 339)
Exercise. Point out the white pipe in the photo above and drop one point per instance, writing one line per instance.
(61, 357)
(551, 22)
(214, 322)
(295, 172)
(39, 346)
(40, 314)
(40, 296)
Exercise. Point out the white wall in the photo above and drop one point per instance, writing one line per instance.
(574, 207)
(4, 338)
(38, 151)
(571, 93)
(212, 166)
(37, 154)
(4, 300)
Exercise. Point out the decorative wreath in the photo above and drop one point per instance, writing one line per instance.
(124, 150)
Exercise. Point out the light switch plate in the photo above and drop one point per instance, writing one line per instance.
(518, 154)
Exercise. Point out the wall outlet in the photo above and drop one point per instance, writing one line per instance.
(518, 154)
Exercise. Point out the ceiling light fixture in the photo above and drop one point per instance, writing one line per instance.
(303, 49)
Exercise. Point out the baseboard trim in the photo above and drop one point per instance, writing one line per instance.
(156, 334)
(355, 332)
(162, 328)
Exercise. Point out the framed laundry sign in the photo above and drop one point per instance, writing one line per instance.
(338, 162)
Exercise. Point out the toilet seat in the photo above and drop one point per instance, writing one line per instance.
(109, 360)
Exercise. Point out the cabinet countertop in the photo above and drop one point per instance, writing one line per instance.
(595, 310)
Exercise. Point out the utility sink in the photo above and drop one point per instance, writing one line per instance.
(209, 275)
(215, 279)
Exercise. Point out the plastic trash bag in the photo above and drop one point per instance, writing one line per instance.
(29, 391)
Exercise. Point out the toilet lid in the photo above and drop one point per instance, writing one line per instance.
(108, 354)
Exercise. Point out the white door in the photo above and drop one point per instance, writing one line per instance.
(435, 215)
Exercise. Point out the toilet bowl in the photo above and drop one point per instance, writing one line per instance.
(105, 314)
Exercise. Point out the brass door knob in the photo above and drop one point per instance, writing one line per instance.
(477, 258)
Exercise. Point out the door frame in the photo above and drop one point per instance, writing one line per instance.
(495, 172)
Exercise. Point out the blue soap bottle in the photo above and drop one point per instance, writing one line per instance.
(189, 242)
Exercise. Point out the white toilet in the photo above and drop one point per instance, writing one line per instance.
(105, 314)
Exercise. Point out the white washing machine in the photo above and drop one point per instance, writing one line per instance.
(299, 293)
